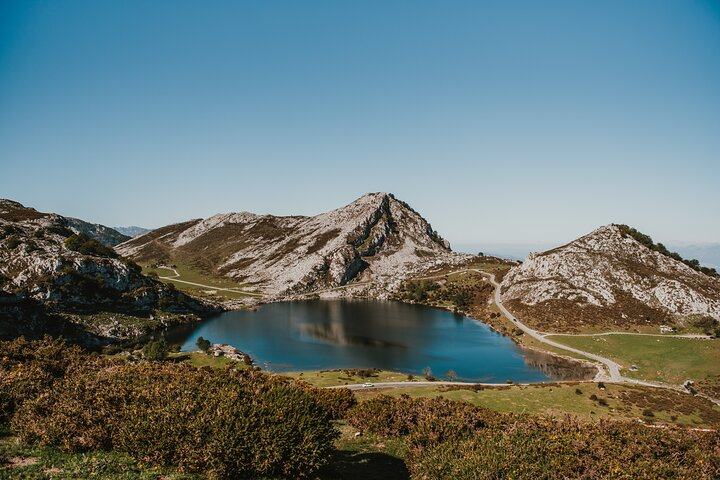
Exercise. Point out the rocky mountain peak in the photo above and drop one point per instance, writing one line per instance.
(375, 236)
(614, 274)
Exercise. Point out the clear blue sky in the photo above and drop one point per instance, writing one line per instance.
(499, 121)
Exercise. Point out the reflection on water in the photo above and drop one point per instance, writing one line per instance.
(335, 333)
(558, 368)
(321, 334)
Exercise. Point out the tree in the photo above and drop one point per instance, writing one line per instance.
(451, 375)
(155, 350)
(203, 344)
(427, 371)
(707, 324)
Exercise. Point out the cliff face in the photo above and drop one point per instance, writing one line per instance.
(607, 278)
(41, 269)
(377, 237)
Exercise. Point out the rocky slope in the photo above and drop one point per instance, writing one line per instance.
(131, 232)
(45, 268)
(105, 235)
(608, 278)
(376, 238)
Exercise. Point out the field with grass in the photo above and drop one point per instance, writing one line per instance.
(582, 399)
(212, 286)
(663, 359)
(330, 378)
(200, 359)
(559, 399)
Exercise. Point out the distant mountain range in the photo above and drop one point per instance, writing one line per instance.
(377, 237)
(132, 231)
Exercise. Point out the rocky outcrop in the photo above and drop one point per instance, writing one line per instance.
(41, 273)
(608, 278)
(376, 238)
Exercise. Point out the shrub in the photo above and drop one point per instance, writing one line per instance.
(30, 246)
(707, 324)
(337, 402)
(362, 372)
(203, 344)
(155, 350)
(385, 415)
(85, 245)
(226, 424)
(446, 439)
(31, 368)
(13, 242)
(648, 413)
(551, 449)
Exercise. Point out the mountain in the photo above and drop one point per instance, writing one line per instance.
(376, 238)
(614, 276)
(101, 233)
(48, 270)
(131, 232)
(14, 211)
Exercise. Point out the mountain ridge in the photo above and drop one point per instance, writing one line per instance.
(376, 237)
(608, 277)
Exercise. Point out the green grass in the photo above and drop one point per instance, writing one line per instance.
(200, 359)
(664, 359)
(329, 378)
(558, 400)
(189, 273)
(366, 457)
(27, 462)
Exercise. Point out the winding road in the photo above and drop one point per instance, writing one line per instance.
(613, 368)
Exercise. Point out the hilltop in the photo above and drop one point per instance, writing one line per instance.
(377, 238)
(613, 277)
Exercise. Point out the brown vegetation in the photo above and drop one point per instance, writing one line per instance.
(456, 440)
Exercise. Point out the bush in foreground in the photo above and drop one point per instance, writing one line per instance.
(225, 424)
(29, 368)
(446, 439)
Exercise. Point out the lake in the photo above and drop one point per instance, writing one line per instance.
(335, 334)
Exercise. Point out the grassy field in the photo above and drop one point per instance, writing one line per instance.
(616, 401)
(189, 273)
(329, 378)
(624, 402)
(671, 360)
(200, 359)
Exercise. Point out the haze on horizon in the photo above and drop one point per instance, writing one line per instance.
(530, 124)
